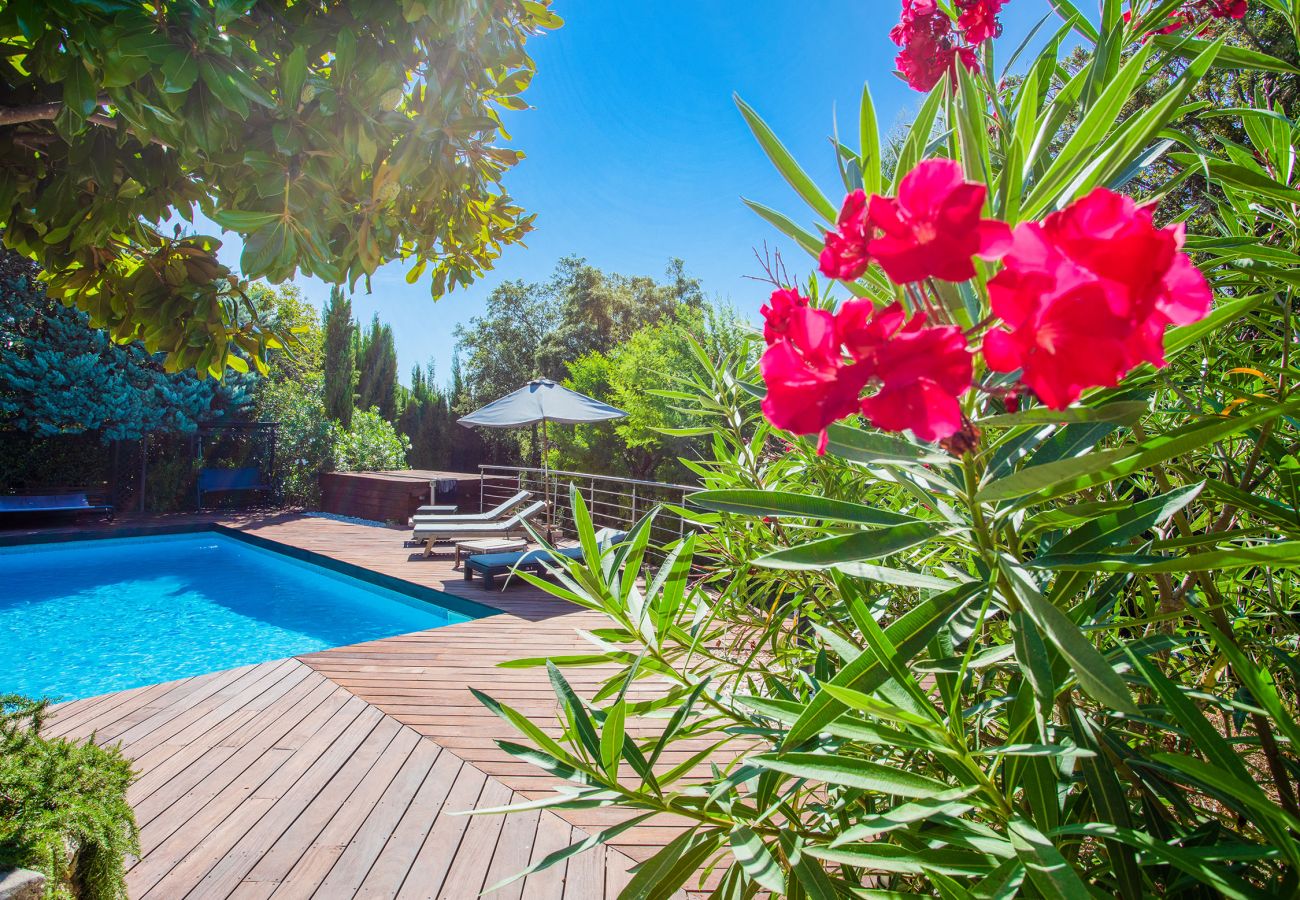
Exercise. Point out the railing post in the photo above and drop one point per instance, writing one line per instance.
(482, 475)
(633, 522)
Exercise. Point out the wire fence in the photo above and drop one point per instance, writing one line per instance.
(613, 502)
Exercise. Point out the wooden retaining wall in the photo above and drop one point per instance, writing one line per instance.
(392, 496)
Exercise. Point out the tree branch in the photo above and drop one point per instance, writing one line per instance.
(37, 112)
(43, 112)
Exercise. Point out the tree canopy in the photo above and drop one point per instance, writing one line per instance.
(58, 375)
(532, 330)
(331, 137)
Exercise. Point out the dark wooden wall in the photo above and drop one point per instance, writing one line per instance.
(385, 498)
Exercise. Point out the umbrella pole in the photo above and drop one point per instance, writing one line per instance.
(546, 480)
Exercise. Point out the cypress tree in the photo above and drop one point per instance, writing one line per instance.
(377, 380)
(340, 357)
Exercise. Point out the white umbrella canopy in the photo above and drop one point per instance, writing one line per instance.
(541, 401)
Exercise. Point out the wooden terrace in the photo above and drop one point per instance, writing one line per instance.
(341, 773)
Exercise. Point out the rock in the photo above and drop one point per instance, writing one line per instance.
(22, 884)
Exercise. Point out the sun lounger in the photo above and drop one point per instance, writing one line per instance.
(491, 515)
(48, 503)
(429, 533)
(490, 565)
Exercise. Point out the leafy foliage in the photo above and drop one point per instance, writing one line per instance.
(1059, 661)
(376, 368)
(541, 330)
(655, 435)
(340, 359)
(63, 807)
(369, 444)
(305, 439)
(329, 137)
(58, 375)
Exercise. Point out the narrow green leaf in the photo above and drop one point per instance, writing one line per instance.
(790, 170)
(1229, 57)
(851, 772)
(1067, 476)
(1094, 673)
(784, 503)
(611, 740)
(1281, 555)
(1123, 412)
(882, 857)
(1047, 868)
(910, 634)
(860, 545)
(756, 859)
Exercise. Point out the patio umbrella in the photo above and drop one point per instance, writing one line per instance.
(541, 401)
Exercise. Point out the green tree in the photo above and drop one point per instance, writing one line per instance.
(305, 439)
(340, 359)
(59, 375)
(331, 137)
(377, 370)
(426, 420)
(595, 311)
(500, 346)
(652, 440)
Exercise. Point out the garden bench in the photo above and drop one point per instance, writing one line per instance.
(45, 503)
(247, 478)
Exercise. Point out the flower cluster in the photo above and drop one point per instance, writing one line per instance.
(930, 46)
(1086, 296)
(1197, 15)
(932, 229)
(819, 364)
(1083, 297)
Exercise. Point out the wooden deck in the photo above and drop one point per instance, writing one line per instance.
(340, 773)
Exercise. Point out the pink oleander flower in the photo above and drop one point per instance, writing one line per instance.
(934, 227)
(929, 47)
(1085, 297)
(978, 19)
(783, 303)
(846, 256)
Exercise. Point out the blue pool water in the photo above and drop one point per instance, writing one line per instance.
(87, 617)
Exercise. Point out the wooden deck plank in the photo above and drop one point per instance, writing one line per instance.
(391, 866)
(259, 792)
(511, 855)
(468, 868)
(293, 803)
(314, 865)
(354, 864)
(427, 872)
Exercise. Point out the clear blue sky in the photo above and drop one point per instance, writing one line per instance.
(636, 152)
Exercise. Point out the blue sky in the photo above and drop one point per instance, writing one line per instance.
(636, 152)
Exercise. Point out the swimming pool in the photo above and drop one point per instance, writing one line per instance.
(82, 618)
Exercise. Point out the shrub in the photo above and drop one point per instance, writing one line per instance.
(1008, 607)
(370, 444)
(63, 807)
(305, 437)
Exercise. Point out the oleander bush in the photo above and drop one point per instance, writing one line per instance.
(993, 593)
(63, 807)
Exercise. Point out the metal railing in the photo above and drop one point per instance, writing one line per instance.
(612, 501)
